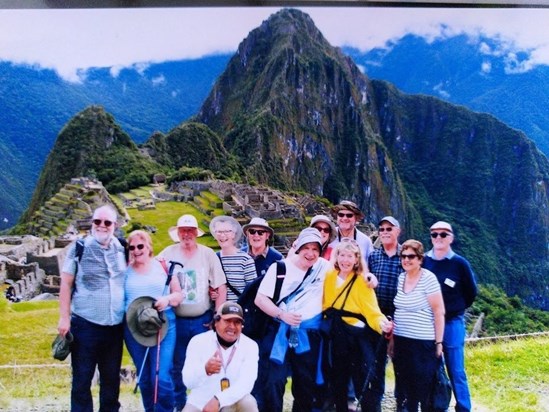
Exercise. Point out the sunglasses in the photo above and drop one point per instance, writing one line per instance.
(139, 247)
(409, 257)
(347, 215)
(258, 231)
(385, 229)
(98, 222)
(443, 235)
(323, 229)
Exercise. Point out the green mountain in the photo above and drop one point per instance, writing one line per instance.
(299, 114)
(91, 144)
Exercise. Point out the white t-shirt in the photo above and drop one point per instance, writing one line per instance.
(308, 301)
(198, 273)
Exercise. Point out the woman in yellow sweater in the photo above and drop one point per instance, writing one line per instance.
(353, 311)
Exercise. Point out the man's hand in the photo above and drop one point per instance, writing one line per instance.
(64, 325)
(212, 405)
(214, 364)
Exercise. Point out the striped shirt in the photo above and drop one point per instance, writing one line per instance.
(99, 285)
(414, 317)
(239, 270)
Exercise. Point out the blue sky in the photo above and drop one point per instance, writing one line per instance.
(72, 40)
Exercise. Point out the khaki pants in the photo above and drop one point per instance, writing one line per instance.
(246, 404)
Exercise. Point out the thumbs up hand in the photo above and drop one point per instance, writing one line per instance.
(214, 364)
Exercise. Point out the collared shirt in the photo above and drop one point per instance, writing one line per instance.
(241, 371)
(448, 255)
(363, 240)
(99, 284)
(387, 269)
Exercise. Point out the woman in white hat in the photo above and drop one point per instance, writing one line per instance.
(258, 236)
(146, 277)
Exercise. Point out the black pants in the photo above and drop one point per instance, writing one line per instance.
(351, 357)
(415, 366)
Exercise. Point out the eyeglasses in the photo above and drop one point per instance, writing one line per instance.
(98, 222)
(139, 246)
(323, 229)
(258, 231)
(385, 229)
(443, 235)
(347, 215)
(409, 257)
(223, 232)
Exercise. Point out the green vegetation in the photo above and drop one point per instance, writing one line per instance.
(505, 315)
(511, 376)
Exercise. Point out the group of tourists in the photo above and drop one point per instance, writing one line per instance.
(335, 307)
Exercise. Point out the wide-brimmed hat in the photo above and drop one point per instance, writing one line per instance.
(325, 219)
(440, 225)
(391, 220)
(307, 235)
(232, 221)
(61, 346)
(347, 205)
(258, 222)
(184, 221)
(231, 310)
(145, 322)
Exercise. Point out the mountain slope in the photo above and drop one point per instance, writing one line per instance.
(292, 109)
(91, 144)
(472, 72)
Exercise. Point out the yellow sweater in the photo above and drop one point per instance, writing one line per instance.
(362, 299)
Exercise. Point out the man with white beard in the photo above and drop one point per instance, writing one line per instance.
(91, 307)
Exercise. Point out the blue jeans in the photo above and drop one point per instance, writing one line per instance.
(147, 379)
(186, 328)
(95, 346)
(454, 355)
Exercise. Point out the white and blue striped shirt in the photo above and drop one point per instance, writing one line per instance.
(414, 317)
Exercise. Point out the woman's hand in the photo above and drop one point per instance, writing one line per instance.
(370, 279)
(387, 327)
(439, 349)
(391, 348)
(162, 303)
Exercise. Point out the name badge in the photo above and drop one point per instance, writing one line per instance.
(225, 383)
(449, 282)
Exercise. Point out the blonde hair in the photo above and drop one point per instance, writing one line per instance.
(144, 236)
(349, 245)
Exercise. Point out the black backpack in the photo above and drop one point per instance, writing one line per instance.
(256, 322)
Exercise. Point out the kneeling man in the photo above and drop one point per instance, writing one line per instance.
(221, 365)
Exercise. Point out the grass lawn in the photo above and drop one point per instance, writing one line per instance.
(509, 376)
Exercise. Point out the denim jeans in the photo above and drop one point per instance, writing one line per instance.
(186, 328)
(95, 346)
(454, 355)
(147, 379)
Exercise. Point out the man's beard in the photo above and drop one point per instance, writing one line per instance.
(101, 237)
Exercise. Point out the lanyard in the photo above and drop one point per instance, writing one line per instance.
(225, 366)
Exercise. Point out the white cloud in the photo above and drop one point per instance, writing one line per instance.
(72, 39)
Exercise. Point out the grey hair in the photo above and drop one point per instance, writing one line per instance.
(232, 221)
